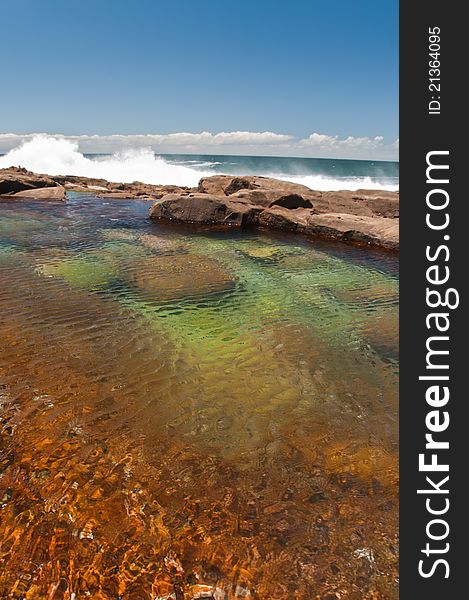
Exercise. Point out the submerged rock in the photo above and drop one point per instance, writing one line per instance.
(160, 244)
(88, 272)
(118, 235)
(261, 252)
(167, 277)
(381, 330)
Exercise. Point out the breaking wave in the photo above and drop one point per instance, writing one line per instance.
(59, 156)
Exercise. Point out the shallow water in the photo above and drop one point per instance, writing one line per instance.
(193, 414)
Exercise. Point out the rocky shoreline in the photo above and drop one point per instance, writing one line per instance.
(362, 217)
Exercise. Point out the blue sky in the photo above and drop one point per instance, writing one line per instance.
(147, 66)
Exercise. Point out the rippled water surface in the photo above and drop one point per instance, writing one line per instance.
(193, 414)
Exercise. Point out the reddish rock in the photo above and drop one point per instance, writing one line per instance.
(229, 184)
(254, 197)
(44, 193)
(266, 191)
(377, 231)
(284, 219)
(292, 213)
(16, 179)
(204, 209)
(362, 202)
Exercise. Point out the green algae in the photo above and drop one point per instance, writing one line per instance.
(87, 272)
(318, 291)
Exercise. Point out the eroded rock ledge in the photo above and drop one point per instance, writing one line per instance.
(363, 217)
(366, 217)
(16, 182)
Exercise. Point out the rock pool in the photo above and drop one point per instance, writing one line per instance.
(193, 414)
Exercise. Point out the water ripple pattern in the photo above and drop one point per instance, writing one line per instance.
(193, 414)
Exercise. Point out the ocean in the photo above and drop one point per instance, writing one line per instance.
(58, 156)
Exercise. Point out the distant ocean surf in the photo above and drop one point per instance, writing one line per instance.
(58, 156)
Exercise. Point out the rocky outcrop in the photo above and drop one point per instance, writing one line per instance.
(230, 184)
(366, 217)
(204, 209)
(56, 192)
(16, 179)
(367, 203)
(125, 191)
(257, 190)
(377, 231)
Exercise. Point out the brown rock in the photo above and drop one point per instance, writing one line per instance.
(266, 198)
(16, 179)
(44, 193)
(378, 231)
(175, 276)
(117, 195)
(216, 185)
(204, 209)
(267, 191)
(254, 197)
(364, 217)
(229, 184)
(259, 191)
(362, 202)
(285, 219)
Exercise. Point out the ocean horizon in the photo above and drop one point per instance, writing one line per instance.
(55, 156)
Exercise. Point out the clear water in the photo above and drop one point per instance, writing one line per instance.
(193, 414)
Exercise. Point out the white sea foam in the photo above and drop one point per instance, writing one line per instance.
(56, 156)
(322, 183)
(59, 156)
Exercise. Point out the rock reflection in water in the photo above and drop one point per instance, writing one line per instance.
(186, 415)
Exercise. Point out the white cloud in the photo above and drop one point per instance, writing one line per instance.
(192, 139)
(319, 145)
(321, 140)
